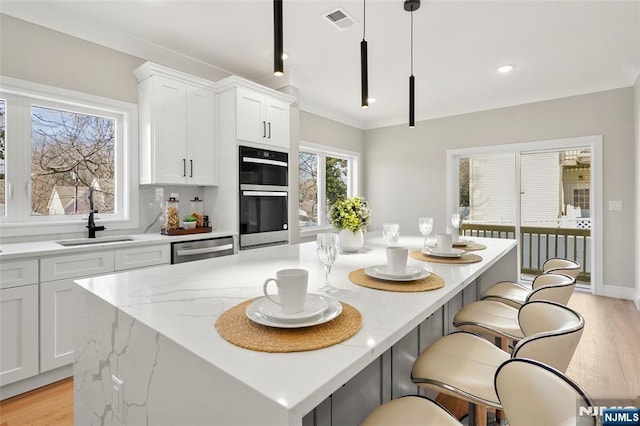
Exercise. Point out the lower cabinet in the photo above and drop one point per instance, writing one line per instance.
(18, 333)
(36, 309)
(56, 324)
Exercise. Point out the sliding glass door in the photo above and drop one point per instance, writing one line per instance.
(541, 197)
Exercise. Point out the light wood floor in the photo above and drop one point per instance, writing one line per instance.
(606, 365)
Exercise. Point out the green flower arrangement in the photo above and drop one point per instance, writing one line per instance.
(352, 214)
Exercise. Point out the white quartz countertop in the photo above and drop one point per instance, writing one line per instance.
(182, 302)
(12, 251)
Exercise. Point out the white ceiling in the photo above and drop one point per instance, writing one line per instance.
(560, 48)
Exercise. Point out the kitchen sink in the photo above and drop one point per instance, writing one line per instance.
(93, 241)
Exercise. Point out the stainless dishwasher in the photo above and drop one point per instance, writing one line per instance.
(187, 251)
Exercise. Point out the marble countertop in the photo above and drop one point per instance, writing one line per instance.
(13, 251)
(182, 302)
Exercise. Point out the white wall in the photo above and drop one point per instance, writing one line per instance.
(405, 169)
(637, 215)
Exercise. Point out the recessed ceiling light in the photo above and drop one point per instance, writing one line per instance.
(371, 100)
(506, 68)
(285, 56)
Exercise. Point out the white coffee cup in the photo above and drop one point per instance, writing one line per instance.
(397, 259)
(445, 242)
(454, 233)
(292, 289)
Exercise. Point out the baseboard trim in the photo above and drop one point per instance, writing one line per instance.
(31, 383)
(618, 292)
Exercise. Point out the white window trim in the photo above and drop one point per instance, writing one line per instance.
(353, 185)
(126, 158)
(596, 187)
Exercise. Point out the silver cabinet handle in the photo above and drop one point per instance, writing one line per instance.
(264, 129)
(204, 250)
(191, 164)
(184, 167)
(269, 130)
(264, 161)
(264, 194)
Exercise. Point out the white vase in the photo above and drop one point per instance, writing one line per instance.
(349, 241)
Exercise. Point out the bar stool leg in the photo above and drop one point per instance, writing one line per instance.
(480, 415)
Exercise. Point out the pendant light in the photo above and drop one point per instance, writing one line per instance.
(412, 6)
(364, 74)
(278, 48)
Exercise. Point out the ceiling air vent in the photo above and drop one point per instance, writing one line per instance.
(339, 19)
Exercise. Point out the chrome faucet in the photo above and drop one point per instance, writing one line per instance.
(92, 224)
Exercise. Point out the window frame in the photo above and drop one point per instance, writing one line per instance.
(20, 96)
(353, 180)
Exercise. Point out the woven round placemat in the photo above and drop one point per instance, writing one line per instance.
(235, 327)
(472, 247)
(462, 260)
(432, 282)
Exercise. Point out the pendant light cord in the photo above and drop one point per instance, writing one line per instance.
(364, 18)
(412, 42)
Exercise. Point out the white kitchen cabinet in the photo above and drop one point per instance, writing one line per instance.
(141, 257)
(56, 324)
(18, 273)
(57, 274)
(18, 320)
(262, 119)
(177, 128)
(18, 333)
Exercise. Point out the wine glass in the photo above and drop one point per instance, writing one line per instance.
(426, 226)
(456, 221)
(327, 246)
(390, 233)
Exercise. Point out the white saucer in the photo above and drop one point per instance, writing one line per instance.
(333, 310)
(374, 271)
(313, 305)
(454, 252)
(408, 272)
(459, 243)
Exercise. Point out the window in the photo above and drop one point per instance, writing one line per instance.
(70, 153)
(54, 146)
(326, 175)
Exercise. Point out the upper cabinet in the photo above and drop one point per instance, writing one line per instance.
(177, 127)
(260, 114)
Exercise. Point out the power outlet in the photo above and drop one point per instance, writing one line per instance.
(117, 399)
(615, 205)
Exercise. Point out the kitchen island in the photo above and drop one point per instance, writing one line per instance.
(154, 330)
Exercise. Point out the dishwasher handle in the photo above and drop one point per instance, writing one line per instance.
(204, 250)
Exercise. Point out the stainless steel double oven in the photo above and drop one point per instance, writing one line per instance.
(264, 194)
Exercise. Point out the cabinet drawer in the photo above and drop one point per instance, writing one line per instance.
(18, 273)
(76, 265)
(142, 256)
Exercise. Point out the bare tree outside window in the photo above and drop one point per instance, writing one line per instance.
(71, 152)
(308, 209)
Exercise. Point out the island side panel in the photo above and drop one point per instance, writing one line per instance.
(163, 384)
(505, 269)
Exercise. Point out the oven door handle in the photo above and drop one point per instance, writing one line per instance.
(204, 250)
(264, 194)
(264, 161)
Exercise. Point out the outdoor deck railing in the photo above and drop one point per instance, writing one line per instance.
(540, 243)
